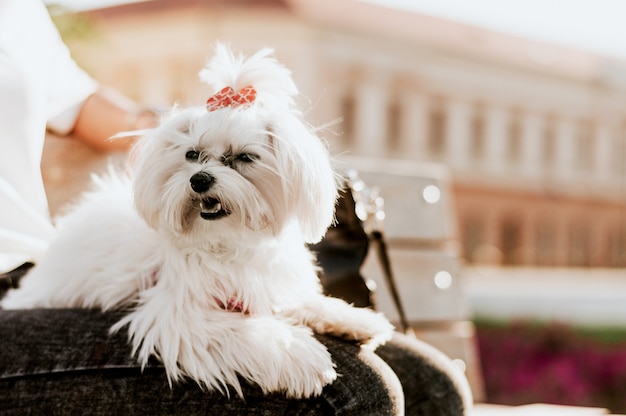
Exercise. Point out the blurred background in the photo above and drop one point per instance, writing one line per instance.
(522, 103)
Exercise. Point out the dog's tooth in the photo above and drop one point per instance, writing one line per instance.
(217, 207)
(210, 208)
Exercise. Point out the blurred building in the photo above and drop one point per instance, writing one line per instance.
(534, 134)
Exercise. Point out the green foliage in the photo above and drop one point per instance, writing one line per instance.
(72, 26)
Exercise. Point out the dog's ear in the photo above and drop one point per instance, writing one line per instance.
(309, 179)
(145, 190)
(155, 162)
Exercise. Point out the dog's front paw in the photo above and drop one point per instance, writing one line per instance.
(370, 328)
(302, 367)
(327, 315)
(364, 325)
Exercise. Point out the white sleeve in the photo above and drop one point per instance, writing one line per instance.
(68, 86)
(40, 85)
(28, 36)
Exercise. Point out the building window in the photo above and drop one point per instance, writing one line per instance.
(477, 132)
(584, 146)
(514, 147)
(510, 241)
(348, 114)
(545, 245)
(394, 116)
(436, 127)
(472, 238)
(549, 142)
(619, 154)
(617, 247)
(578, 250)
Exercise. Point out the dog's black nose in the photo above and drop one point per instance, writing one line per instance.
(201, 182)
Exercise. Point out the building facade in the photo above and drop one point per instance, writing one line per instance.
(534, 135)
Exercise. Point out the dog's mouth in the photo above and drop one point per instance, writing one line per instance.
(211, 209)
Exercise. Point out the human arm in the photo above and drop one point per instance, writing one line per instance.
(105, 113)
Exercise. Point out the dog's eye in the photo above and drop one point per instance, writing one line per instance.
(247, 157)
(192, 156)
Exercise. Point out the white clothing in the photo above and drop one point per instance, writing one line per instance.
(40, 86)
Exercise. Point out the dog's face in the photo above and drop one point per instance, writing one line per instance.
(216, 174)
(216, 170)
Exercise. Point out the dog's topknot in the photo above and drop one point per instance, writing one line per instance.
(270, 79)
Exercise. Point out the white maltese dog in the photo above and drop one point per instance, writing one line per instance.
(211, 260)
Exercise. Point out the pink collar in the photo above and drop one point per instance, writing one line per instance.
(232, 306)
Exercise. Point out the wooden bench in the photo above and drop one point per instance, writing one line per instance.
(421, 234)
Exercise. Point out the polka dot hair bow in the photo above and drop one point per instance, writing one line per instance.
(227, 97)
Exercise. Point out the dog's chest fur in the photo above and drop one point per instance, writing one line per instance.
(263, 276)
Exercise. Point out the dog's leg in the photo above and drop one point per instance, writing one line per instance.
(279, 356)
(215, 347)
(328, 315)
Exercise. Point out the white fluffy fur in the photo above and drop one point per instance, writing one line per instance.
(174, 269)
